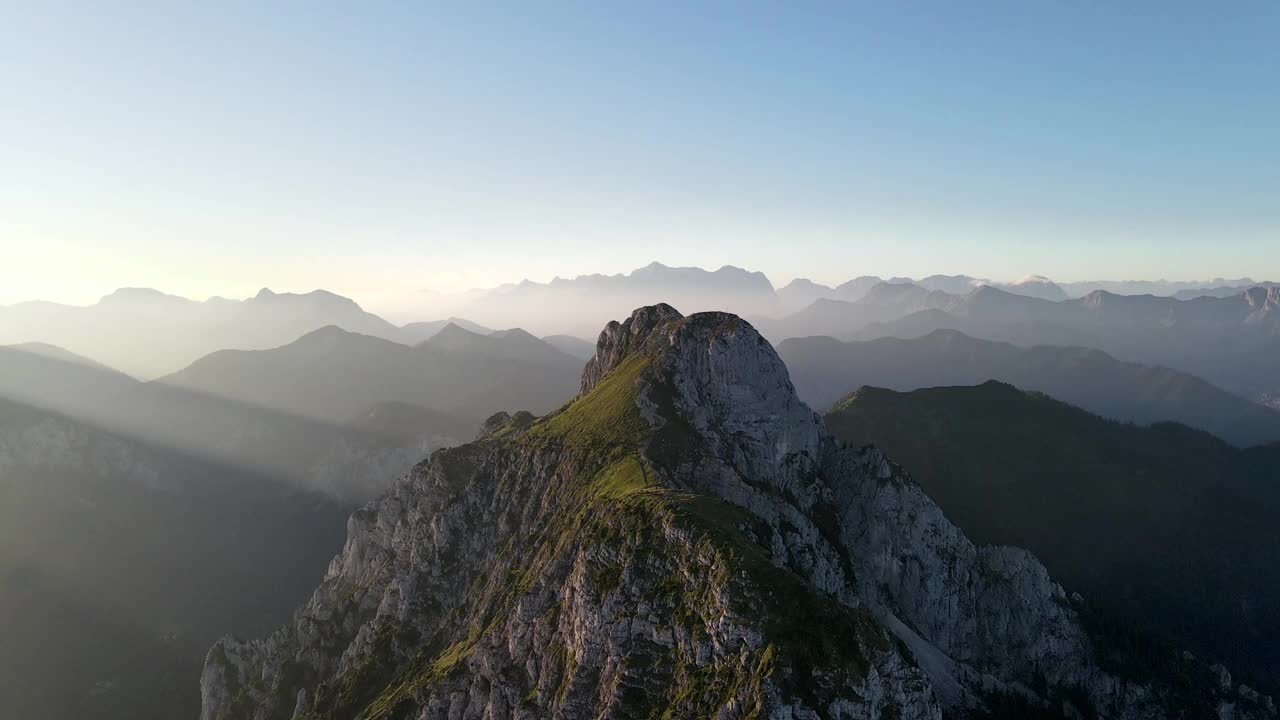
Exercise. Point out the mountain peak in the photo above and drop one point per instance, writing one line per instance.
(333, 338)
(1098, 298)
(805, 283)
(453, 337)
(619, 340)
(318, 298)
(1032, 280)
(140, 294)
(721, 378)
(861, 280)
(893, 291)
(328, 331)
(993, 292)
(1037, 286)
(512, 334)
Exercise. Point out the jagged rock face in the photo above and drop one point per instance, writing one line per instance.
(684, 540)
(1263, 304)
(633, 336)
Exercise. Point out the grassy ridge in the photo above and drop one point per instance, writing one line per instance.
(688, 558)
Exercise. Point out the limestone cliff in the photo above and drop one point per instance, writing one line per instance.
(685, 540)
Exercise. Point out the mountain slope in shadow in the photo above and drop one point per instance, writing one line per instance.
(1166, 526)
(120, 562)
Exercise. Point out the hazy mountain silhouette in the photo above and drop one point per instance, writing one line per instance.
(1220, 291)
(52, 378)
(843, 318)
(1036, 286)
(954, 284)
(825, 370)
(854, 289)
(571, 345)
(332, 375)
(335, 457)
(1228, 341)
(417, 332)
(581, 305)
(1167, 526)
(1152, 287)
(513, 344)
(147, 333)
(801, 293)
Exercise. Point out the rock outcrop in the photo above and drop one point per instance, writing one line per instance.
(685, 540)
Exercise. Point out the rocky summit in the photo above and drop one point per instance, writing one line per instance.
(685, 540)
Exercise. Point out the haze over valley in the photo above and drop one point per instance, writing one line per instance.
(650, 361)
(315, 406)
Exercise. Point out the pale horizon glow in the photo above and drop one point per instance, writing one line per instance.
(218, 150)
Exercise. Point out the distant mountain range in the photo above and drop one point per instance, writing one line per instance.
(1220, 291)
(307, 413)
(1229, 341)
(331, 375)
(1183, 289)
(802, 292)
(803, 297)
(146, 333)
(417, 332)
(578, 306)
(336, 458)
(825, 370)
(1165, 526)
(898, 302)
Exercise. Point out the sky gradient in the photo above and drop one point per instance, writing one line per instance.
(380, 149)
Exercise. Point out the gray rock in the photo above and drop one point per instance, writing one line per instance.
(685, 536)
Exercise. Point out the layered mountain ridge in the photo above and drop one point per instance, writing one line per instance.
(331, 374)
(1228, 341)
(685, 540)
(147, 333)
(340, 456)
(825, 370)
(175, 331)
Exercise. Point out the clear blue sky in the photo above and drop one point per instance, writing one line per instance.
(379, 148)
